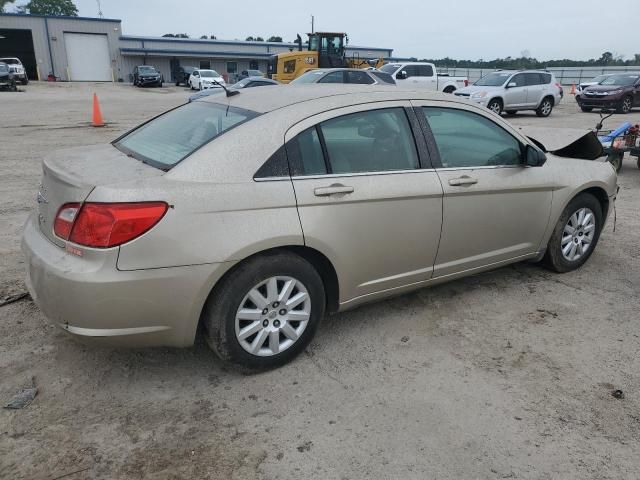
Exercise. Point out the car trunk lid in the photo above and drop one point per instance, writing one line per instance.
(69, 176)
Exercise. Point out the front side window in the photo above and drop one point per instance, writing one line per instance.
(412, 70)
(519, 80)
(466, 139)
(372, 141)
(359, 77)
(166, 140)
(333, 77)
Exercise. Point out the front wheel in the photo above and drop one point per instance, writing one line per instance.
(495, 106)
(586, 109)
(576, 234)
(266, 311)
(615, 159)
(545, 108)
(511, 112)
(626, 105)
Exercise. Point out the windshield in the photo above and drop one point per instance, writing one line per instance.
(621, 80)
(209, 73)
(310, 77)
(11, 61)
(166, 140)
(599, 78)
(390, 67)
(146, 70)
(4, 68)
(493, 79)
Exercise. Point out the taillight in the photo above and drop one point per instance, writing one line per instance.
(104, 225)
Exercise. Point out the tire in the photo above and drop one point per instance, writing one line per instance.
(220, 313)
(625, 106)
(177, 83)
(495, 105)
(545, 108)
(25, 81)
(554, 258)
(511, 112)
(586, 109)
(191, 86)
(638, 162)
(615, 159)
(449, 89)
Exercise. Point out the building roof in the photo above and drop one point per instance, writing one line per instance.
(60, 17)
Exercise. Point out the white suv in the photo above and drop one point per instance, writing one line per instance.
(16, 67)
(511, 91)
(203, 79)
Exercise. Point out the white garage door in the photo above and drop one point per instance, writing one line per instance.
(88, 57)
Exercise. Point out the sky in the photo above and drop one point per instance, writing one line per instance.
(461, 29)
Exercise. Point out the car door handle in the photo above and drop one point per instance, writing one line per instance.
(464, 180)
(332, 190)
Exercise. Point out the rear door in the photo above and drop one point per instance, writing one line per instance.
(535, 88)
(367, 196)
(516, 96)
(495, 209)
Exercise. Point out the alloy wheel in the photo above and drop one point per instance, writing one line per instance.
(626, 105)
(495, 107)
(546, 108)
(272, 316)
(578, 234)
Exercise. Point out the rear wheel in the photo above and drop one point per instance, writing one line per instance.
(626, 105)
(25, 81)
(449, 89)
(576, 234)
(495, 106)
(266, 311)
(511, 112)
(545, 108)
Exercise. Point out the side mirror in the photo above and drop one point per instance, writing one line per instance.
(534, 157)
(401, 75)
(512, 84)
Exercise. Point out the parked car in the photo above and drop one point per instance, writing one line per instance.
(344, 75)
(203, 79)
(620, 92)
(253, 215)
(423, 75)
(594, 81)
(17, 69)
(7, 80)
(182, 75)
(512, 91)
(250, 73)
(146, 75)
(249, 82)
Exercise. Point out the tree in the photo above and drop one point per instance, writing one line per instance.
(203, 37)
(212, 37)
(274, 39)
(254, 39)
(606, 58)
(636, 59)
(50, 7)
(176, 35)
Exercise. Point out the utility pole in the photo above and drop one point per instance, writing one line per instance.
(99, 9)
(312, 25)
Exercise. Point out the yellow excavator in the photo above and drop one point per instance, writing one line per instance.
(325, 50)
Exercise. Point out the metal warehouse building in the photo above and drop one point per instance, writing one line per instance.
(94, 49)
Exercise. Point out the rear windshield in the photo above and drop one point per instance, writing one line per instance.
(166, 140)
(493, 79)
(383, 77)
(390, 67)
(624, 80)
(311, 76)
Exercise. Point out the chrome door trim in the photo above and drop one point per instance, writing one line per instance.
(345, 175)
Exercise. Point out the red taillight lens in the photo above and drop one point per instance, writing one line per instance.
(64, 220)
(103, 225)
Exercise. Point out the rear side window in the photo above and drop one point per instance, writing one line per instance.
(425, 71)
(166, 140)
(545, 77)
(359, 77)
(333, 77)
(466, 139)
(532, 78)
(305, 154)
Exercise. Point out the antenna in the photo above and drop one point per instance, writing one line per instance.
(99, 9)
(312, 24)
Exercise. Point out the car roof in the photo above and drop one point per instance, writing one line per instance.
(282, 96)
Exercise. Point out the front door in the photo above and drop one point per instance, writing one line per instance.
(365, 198)
(495, 209)
(515, 95)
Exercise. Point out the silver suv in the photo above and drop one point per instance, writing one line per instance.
(510, 91)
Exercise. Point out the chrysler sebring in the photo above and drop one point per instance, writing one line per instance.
(253, 215)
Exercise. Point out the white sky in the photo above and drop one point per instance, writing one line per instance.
(461, 29)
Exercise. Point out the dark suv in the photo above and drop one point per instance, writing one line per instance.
(146, 75)
(620, 91)
(182, 74)
(7, 79)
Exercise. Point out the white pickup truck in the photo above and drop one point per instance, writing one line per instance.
(423, 75)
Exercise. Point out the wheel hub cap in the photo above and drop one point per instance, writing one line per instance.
(272, 316)
(578, 234)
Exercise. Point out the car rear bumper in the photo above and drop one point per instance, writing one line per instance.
(91, 299)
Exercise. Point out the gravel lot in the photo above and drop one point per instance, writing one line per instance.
(506, 374)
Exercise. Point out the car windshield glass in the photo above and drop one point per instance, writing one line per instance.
(171, 137)
(493, 79)
(241, 84)
(11, 61)
(309, 77)
(599, 78)
(4, 68)
(209, 73)
(390, 67)
(146, 70)
(622, 80)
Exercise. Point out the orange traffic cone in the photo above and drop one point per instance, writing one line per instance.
(573, 89)
(97, 115)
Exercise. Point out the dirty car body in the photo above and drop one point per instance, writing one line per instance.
(343, 195)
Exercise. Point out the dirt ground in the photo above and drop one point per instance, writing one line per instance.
(507, 374)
